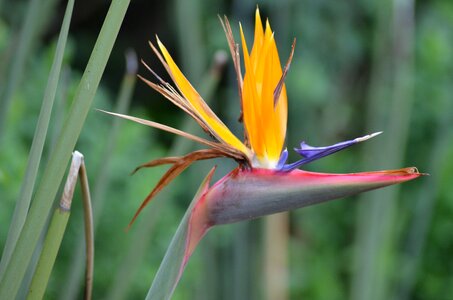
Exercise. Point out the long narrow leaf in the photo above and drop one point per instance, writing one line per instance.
(55, 169)
(28, 183)
(55, 233)
(57, 229)
(49, 253)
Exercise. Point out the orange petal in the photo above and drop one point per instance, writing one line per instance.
(265, 122)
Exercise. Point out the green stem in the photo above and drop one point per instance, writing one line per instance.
(34, 158)
(55, 233)
(57, 228)
(89, 231)
(60, 156)
(49, 254)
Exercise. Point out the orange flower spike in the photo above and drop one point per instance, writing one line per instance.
(217, 127)
(265, 124)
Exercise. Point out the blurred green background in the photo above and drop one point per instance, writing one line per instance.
(359, 67)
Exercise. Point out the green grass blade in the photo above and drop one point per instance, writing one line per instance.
(49, 254)
(57, 229)
(34, 158)
(55, 169)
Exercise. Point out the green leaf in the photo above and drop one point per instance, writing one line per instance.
(49, 253)
(34, 158)
(55, 169)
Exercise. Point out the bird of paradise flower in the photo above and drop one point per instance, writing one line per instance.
(264, 183)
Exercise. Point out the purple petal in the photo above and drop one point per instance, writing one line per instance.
(283, 159)
(313, 153)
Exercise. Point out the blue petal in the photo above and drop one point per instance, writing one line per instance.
(282, 160)
(313, 153)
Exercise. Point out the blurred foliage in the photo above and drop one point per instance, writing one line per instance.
(328, 86)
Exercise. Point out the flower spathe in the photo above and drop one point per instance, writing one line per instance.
(265, 116)
(264, 183)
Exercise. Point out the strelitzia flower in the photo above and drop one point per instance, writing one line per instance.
(264, 183)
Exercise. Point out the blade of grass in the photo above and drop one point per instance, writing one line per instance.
(49, 253)
(74, 277)
(34, 158)
(61, 102)
(55, 233)
(54, 171)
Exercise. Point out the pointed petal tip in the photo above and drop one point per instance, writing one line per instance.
(160, 44)
(210, 174)
(413, 171)
(367, 137)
